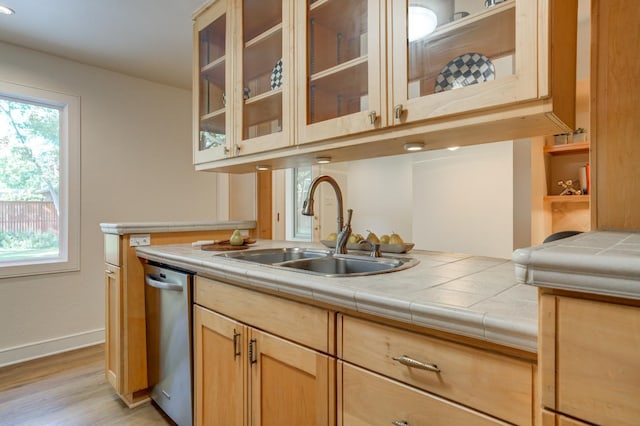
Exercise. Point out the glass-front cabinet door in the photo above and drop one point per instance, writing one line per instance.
(339, 66)
(212, 68)
(263, 78)
(457, 56)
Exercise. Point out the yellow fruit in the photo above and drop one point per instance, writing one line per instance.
(384, 239)
(236, 238)
(355, 238)
(373, 238)
(395, 239)
(332, 237)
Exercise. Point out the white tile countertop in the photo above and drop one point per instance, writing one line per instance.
(149, 227)
(598, 262)
(457, 293)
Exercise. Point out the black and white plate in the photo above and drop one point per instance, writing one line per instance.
(276, 75)
(470, 68)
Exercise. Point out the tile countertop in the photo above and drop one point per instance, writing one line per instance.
(461, 294)
(149, 227)
(598, 262)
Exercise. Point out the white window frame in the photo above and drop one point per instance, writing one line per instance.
(69, 220)
(290, 231)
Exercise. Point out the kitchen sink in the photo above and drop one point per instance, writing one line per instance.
(272, 256)
(323, 262)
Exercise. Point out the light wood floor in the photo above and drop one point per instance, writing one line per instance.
(67, 389)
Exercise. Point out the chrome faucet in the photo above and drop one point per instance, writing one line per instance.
(344, 230)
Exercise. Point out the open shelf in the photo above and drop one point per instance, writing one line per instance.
(566, 198)
(570, 148)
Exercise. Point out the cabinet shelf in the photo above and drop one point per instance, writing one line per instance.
(259, 16)
(214, 71)
(491, 33)
(261, 53)
(566, 198)
(214, 122)
(263, 108)
(571, 148)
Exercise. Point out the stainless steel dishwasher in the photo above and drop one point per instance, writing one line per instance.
(169, 361)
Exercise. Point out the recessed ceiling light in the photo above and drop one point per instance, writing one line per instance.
(262, 167)
(453, 148)
(323, 160)
(4, 10)
(414, 146)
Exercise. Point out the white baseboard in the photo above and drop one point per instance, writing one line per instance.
(48, 347)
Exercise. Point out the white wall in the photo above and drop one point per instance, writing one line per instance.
(475, 200)
(136, 166)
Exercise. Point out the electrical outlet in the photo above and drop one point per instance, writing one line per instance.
(140, 240)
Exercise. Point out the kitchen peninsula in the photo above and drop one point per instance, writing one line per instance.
(457, 329)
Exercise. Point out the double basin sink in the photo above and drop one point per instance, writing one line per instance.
(322, 262)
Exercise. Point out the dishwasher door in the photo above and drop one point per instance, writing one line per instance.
(169, 365)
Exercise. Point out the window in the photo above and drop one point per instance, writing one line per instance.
(299, 227)
(39, 181)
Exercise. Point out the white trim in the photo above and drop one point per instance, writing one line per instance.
(29, 351)
(69, 259)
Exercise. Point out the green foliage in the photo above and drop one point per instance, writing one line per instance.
(28, 240)
(29, 151)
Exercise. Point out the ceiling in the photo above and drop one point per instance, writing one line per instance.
(149, 39)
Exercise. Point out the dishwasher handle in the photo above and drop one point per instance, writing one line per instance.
(162, 285)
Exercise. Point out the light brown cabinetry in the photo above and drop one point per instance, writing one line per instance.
(243, 71)
(365, 85)
(268, 355)
(590, 358)
(487, 382)
(125, 325)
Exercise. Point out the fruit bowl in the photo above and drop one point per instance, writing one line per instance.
(385, 248)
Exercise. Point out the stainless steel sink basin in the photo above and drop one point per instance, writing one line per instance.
(323, 262)
(273, 256)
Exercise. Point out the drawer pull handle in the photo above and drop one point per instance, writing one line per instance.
(400, 423)
(410, 362)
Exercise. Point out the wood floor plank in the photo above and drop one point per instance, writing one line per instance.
(68, 389)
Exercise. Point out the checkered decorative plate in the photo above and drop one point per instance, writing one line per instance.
(276, 75)
(470, 68)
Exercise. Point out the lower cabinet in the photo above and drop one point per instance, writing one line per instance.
(497, 385)
(370, 399)
(244, 375)
(590, 358)
(113, 326)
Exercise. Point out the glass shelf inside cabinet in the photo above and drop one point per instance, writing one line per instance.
(263, 69)
(467, 47)
(337, 68)
(212, 62)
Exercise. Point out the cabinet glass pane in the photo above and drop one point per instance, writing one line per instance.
(263, 72)
(212, 85)
(337, 68)
(457, 43)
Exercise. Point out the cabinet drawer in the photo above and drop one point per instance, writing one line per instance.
(489, 382)
(308, 325)
(598, 361)
(370, 399)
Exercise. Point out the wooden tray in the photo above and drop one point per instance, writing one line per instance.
(225, 245)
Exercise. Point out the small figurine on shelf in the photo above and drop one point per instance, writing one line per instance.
(567, 188)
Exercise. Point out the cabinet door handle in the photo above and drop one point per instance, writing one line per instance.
(397, 111)
(400, 423)
(373, 116)
(253, 354)
(410, 362)
(226, 151)
(237, 148)
(108, 272)
(236, 344)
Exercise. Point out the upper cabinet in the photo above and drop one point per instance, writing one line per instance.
(340, 49)
(359, 79)
(242, 73)
(211, 75)
(262, 78)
